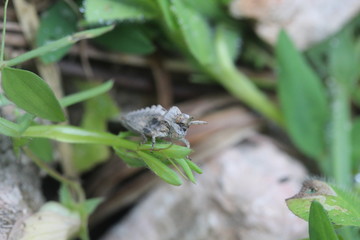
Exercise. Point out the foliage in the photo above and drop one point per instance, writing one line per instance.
(326, 206)
(315, 92)
(30, 93)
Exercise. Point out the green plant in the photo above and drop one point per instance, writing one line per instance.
(326, 206)
(315, 90)
(27, 91)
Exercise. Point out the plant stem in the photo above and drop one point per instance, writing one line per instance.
(340, 138)
(3, 33)
(80, 195)
(74, 185)
(237, 83)
(45, 167)
(241, 87)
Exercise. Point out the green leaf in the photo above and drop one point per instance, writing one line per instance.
(65, 197)
(97, 112)
(42, 148)
(343, 207)
(9, 128)
(208, 8)
(130, 158)
(196, 33)
(91, 204)
(105, 11)
(72, 134)
(167, 150)
(302, 98)
(230, 35)
(160, 169)
(127, 38)
(320, 227)
(355, 140)
(86, 94)
(187, 170)
(58, 21)
(4, 101)
(29, 92)
(344, 60)
(62, 42)
(167, 16)
(193, 166)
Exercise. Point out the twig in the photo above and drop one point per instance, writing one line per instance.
(162, 82)
(3, 33)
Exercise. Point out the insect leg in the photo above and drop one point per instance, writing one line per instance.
(144, 139)
(153, 140)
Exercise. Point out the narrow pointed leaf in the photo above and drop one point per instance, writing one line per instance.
(320, 227)
(9, 128)
(62, 42)
(196, 32)
(167, 150)
(90, 205)
(193, 166)
(29, 92)
(86, 94)
(75, 135)
(160, 169)
(187, 170)
(130, 158)
(302, 98)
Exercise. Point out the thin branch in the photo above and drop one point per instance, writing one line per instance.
(3, 33)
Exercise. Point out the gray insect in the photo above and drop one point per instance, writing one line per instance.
(157, 122)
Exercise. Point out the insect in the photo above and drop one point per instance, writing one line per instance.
(157, 122)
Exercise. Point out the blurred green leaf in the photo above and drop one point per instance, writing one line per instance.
(25, 121)
(167, 150)
(355, 140)
(257, 56)
(42, 148)
(65, 197)
(187, 170)
(302, 98)
(344, 60)
(342, 206)
(4, 101)
(168, 18)
(320, 227)
(106, 11)
(97, 112)
(58, 21)
(160, 169)
(127, 38)
(193, 166)
(62, 42)
(9, 128)
(29, 92)
(230, 35)
(130, 158)
(86, 94)
(196, 33)
(90, 205)
(72, 134)
(207, 8)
